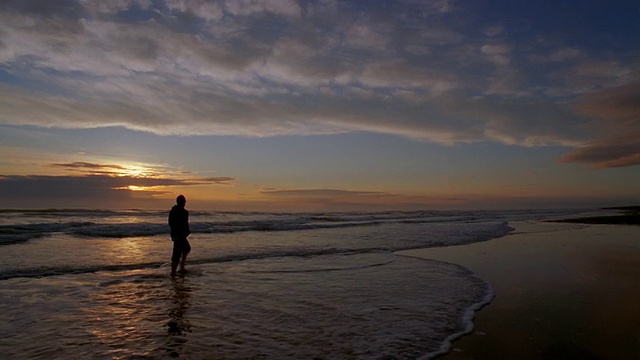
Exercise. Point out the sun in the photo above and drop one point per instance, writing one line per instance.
(136, 171)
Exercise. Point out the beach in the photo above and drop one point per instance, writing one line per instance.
(96, 284)
(78, 284)
(562, 291)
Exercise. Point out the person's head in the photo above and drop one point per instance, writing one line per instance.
(181, 200)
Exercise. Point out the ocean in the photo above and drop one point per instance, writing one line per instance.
(92, 284)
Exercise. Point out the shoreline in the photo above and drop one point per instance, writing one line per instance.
(562, 290)
(626, 215)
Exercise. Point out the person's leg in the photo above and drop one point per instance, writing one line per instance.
(175, 256)
(186, 248)
(183, 261)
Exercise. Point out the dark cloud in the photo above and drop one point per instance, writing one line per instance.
(607, 153)
(428, 70)
(43, 8)
(616, 114)
(217, 180)
(322, 199)
(327, 193)
(618, 106)
(72, 184)
(81, 165)
(107, 189)
(63, 191)
(89, 168)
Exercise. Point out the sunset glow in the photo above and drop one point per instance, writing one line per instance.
(319, 105)
(137, 188)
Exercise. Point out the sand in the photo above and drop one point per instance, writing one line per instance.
(562, 291)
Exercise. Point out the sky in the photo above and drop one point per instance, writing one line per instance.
(319, 105)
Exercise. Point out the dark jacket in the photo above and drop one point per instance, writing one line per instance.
(179, 222)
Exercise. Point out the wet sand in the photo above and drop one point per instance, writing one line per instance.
(562, 291)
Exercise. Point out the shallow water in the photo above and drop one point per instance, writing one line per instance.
(301, 287)
(334, 306)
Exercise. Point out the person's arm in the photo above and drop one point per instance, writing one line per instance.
(187, 229)
(174, 224)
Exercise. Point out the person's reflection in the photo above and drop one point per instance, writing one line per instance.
(178, 324)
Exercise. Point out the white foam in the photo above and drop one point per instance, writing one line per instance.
(467, 319)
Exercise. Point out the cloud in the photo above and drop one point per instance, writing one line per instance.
(326, 199)
(87, 165)
(93, 179)
(565, 54)
(354, 200)
(137, 171)
(494, 30)
(560, 55)
(96, 190)
(71, 187)
(200, 9)
(616, 113)
(416, 69)
(323, 193)
(497, 53)
(212, 180)
(620, 105)
(140, 172)
(607, 153)
(106, 182)
(250, 7)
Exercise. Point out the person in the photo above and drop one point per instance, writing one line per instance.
(179, 224)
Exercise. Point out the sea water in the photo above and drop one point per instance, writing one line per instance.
(95, 284)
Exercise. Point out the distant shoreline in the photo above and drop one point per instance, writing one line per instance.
(630, 215)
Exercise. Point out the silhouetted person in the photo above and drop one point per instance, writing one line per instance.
(179, 223)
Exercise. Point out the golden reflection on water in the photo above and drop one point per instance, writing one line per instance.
(141, 316)
(121, 317)
(132, 247)
(127, 251)
(180, 295)
(178, 325)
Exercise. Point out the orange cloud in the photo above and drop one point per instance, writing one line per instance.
(616, 114)
(90, 168)
(139, 171)
(619, 106)
(321, 193)
(611, 152)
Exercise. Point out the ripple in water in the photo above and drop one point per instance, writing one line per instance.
(369, 305)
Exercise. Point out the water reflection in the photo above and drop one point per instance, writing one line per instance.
(178, 325)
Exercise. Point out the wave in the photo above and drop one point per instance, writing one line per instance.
(14, 233)
(39, 272)
(25, 225)
(10, 234)
(467, 320)
(453, 234)
(61, 213)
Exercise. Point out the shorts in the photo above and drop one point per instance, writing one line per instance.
(180, 247)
